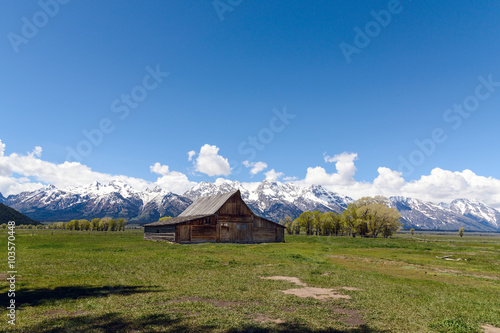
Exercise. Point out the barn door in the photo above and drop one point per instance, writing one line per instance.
(224, 233)
(184, 233)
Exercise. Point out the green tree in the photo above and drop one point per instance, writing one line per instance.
(164, 218)
(306, 222)
(70, 225)
(121, 224)
(327, 223)
(296, 227)
(461, 232)
(95, 223)
(84, 224)
(317, 222)
(104, 224)
(112, 226)
(287, 222)
(374, 217)
(350, 219)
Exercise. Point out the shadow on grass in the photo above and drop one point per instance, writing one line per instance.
(113, 322)
(35, 297)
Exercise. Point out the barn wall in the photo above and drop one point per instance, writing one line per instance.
(160, 233)
(235, 210)
(265, 231)
(197, 231)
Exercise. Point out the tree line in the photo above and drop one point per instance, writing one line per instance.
(97, 224)
(365, 217)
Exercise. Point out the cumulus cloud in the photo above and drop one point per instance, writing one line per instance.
(273, 175)
(440, 186)
(211, 163)
(2, 148)
(191, 154)
(37, 151)
(256, 167)
(172, 181)
(160, 169)
(29, 172)
(344, 163)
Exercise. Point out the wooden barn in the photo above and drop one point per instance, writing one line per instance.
(223, 218)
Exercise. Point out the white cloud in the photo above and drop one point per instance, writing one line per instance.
(160, 169)
(344, 163)
(172, 181)
(29, 172)
(211, 163)
(2, 148)
(256, 166)
(37, 151)
(273, 174)
(191, 154)
(440, 186)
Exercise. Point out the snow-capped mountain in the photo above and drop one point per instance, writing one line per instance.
(460, 213)
(270, 199)
(274, 200)
(476, 210)
(116, 199)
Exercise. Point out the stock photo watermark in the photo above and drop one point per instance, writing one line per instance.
(371, 30)
(250, 147)
(31, 26)
(223, 6)
(11, 272)
(454, 117)
(122, 107)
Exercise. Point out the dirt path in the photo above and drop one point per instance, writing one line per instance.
(305, 291)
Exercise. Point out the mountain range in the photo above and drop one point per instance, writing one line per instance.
(270, 199)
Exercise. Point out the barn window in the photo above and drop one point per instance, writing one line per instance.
(207, 220)
(243, 226)
(157, 231)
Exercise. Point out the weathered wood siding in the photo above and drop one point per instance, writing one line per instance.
(265, 231)
(235, 210)
(234, 222)
(197, 231)
(160, 233)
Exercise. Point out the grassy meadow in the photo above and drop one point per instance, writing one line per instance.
(117, 282)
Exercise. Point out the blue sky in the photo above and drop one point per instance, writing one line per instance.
(227, 76)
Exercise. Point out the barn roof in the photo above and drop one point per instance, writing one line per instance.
(200, 208)
(175, 220)
(208, 205)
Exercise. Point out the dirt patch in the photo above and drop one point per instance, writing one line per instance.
(325, 274)
(316, 293)
(263, 319)
(286, 278)
(351, 317)
(490, 329)
(352, 321)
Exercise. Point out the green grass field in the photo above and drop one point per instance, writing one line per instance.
(118, 282)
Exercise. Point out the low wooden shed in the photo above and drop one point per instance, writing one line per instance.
(223, 218)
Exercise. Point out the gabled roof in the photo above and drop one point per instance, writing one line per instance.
(175, 220)
(202, 207)
(208, 205)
